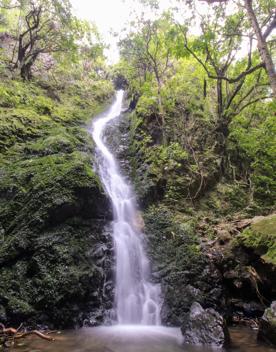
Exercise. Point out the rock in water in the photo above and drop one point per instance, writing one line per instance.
(205, 327)
(267, 329)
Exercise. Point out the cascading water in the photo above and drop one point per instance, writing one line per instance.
(136, 298)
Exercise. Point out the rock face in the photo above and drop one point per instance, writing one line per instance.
(260, 238)
(198, 250)
(267, 329)
(55, 249)
(56, 254)
(185, 272)
(204, 327)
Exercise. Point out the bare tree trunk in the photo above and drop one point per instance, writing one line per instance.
(26, 66)
(262, 46)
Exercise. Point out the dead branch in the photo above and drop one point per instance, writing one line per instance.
(33, 332)
(10, 335)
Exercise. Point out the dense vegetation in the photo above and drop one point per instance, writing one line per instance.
(53, 80)
(201, 150)
(204, 112)
(200, 145)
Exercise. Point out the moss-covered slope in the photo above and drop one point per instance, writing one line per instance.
(52, 207)
(196, 201)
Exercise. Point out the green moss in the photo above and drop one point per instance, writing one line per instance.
(261, 237)
(265, 226)
(47, 187)
(253, 144)
(225, 199)
(171, 237)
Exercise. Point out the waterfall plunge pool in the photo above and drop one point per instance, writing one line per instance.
(138, 338)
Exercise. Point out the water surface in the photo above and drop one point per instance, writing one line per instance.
(135, 339)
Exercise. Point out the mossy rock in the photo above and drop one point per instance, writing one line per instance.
(179, 263)
(52, 206)
(267, 328)
(261, 237)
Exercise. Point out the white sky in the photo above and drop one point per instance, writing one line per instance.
(113, 15)
(110, 15)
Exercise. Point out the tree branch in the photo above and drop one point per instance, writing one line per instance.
(253, 102)
(270, 27)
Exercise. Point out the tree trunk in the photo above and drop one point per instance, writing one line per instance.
(219, 99)
(26, 67)
(262, 46)
(25, 72)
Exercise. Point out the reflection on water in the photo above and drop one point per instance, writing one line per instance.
(135, 339)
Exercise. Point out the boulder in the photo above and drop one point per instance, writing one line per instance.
(267, 328)
(204, 327)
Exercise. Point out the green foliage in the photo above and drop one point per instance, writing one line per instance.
(47, 186)
(253, 137)
(216, 119)
(44, 39)
(261, 237)
(226, 199)
(148, 51)
(147, 106)
(170, 238)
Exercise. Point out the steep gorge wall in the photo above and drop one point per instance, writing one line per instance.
(199, 248)
(56, 252)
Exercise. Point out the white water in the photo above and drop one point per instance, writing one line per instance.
(136, 298)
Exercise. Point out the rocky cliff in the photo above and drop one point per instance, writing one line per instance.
(55, 254)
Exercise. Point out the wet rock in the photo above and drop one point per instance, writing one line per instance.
(94, 318)
(267, 329)
(185, 272)
(250, 309)
(204, 327)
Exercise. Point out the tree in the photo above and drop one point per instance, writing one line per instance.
(262, 29)
(216, 49)
(43, 37)
(235, 80)
(44, 27)
(150, 50)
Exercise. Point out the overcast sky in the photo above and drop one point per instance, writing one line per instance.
(110, 15)
(113, 15)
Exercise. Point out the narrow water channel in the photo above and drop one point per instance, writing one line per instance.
(136, 298)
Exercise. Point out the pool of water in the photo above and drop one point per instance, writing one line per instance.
(135, 339)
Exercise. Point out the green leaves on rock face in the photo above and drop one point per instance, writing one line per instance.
(179, 264)
(212, 101)
(167, 235)
(50, 201)
(261, 238)
(253, 134)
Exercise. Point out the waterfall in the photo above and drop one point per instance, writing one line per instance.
(137, 300)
